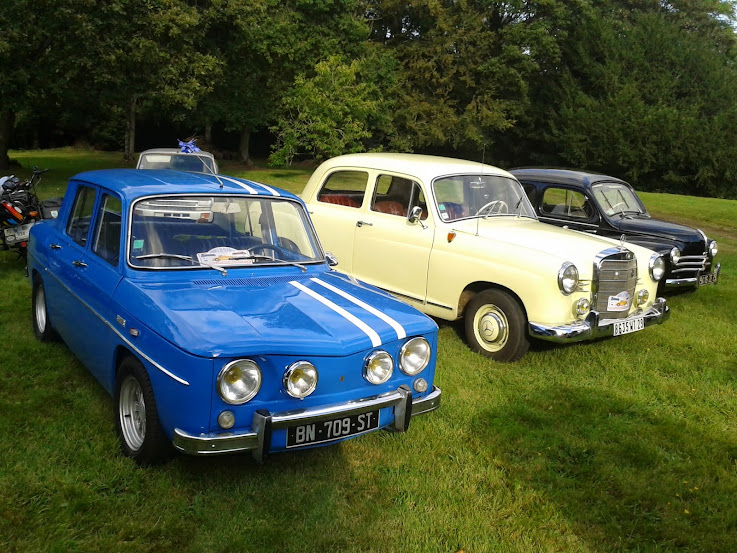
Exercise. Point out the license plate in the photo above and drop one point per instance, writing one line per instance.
(18, 234)
(335, 429)
(628, 326)
(711, 278)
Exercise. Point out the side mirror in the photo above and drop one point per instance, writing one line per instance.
(414, 214)
(332, 260)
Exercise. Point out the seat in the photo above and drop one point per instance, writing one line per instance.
(390, 207)
(338, 199)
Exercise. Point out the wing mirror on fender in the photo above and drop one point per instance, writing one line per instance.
(331, 259)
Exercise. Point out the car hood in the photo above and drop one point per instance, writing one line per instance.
(648, 226)
(541, 240)
(324, 314)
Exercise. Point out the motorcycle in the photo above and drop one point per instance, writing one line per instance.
(20, 209)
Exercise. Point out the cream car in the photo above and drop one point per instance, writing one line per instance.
(460, 239)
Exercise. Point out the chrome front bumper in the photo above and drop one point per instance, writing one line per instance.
(595, 327)
(258, 439)
(693, 281)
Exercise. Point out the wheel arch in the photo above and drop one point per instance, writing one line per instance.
(479, 286)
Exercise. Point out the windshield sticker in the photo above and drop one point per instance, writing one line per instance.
(223, 255)
(137, 245)
(620, 302)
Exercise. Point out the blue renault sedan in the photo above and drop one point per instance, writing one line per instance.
(206, 306)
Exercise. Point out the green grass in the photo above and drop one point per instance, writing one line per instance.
(624, 444)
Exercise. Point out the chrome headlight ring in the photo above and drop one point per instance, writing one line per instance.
(300, 379)
(378, 367)
(414, 356)
(675, 256)
(239, 381)
(713, 249)
(656, 267)
(567, 278)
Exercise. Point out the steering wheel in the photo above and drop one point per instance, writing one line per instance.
(500, 205)
(275, 249)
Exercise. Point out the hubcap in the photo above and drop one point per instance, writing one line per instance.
(132, 412)
(40, 310)
(491, 327)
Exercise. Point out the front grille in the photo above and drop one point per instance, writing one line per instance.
(690, 266)
(615, 272)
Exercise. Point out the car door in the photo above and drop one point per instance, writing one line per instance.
(389, 251)
(88, 275)
(337, 211)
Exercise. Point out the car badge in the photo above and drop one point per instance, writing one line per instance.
(622, 240)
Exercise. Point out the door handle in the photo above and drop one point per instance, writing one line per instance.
(361, 223)
(78, 263)
(55, 246)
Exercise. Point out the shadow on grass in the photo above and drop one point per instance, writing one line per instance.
(623, 475)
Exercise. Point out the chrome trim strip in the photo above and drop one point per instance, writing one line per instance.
(545, 218)
(398, 328)
(681, 281)
(115, 330)
(254, 439)
(370, 332)
(594, 326)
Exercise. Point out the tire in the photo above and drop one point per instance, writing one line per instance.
(41, 324)
(496, 326)
(136, 418)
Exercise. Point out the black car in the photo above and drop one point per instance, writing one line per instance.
(608, 206)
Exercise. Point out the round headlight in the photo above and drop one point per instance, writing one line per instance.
(568, 278)
(675, 255)
(300, 379)
(414, 356)
(713, 249)
(239, 381)
(378, 367)
(657, 267)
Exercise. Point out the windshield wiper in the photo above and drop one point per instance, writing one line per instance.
(185, 258)
(268, 257)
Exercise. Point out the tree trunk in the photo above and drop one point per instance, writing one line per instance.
(208, 133)
(245, 146)
(130, 132)
(7, 122)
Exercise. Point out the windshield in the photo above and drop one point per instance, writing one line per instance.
(463, 196)
(178, 161)
(614, 197)
(179, 231)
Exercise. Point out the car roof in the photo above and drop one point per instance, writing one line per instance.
(424, 166)
(572, 177)
(135, 183)
(175, 151)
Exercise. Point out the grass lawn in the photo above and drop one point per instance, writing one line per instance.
(626, 444)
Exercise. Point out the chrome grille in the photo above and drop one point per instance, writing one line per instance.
(615, 271)
(690, 266)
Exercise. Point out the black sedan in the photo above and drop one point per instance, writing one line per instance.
(608, 206)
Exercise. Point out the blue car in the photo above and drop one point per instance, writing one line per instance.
(205, 305)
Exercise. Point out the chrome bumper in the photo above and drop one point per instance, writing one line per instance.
(595, 327)
(258, 439)
(693, 281)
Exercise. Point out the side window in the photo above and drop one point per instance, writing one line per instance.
(344, 188)
(392, 195)
(79, 223)
(561, 202)
(106, 242)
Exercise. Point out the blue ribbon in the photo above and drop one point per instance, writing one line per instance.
(189, 147)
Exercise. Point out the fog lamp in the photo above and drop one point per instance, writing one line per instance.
(642, 297)
(583, 306)
(420, 385)
(300, 379)
(378, 367)
(226, 419)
